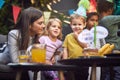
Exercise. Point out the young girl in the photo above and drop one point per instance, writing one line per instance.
(52, 39)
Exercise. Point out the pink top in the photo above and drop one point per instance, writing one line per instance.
(50, 46)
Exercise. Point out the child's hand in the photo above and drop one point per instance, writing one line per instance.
(53, 60)
(48, 62)
(75, 34)
(83, 45)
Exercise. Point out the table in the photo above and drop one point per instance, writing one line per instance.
(93, 62)
(35, 67)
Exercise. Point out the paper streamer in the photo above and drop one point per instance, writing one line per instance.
(16, 11)
(1, 3)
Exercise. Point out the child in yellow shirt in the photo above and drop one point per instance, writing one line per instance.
(73, 48)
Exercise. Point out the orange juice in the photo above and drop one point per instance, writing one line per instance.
(39, 55)
(23, 58)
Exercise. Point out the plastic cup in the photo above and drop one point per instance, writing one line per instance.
(23, 56)
(38, 53)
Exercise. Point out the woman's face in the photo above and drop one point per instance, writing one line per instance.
(37, 27)
(54, 29)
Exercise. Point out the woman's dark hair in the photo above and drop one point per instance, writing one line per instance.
(89, 15)
(104, 6)
(26, 18)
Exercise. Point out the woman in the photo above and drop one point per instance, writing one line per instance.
(29, 25)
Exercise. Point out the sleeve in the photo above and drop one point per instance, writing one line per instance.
(110, 20)
(42, 39)
(65, 42)
(13, 45)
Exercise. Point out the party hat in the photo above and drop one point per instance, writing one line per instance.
(93, 5)
(81, 11)
(84, 3)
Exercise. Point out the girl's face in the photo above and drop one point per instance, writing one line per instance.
(92, 21)
(77, 25)
(54, 29)
(37, 27)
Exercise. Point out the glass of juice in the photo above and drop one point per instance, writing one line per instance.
(38, 53)
(23, 56)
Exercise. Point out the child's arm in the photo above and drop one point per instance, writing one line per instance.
(48, 62)
(83, 45)
(110, 20)
(65, 53)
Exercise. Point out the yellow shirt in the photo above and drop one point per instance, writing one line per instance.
(73, 47)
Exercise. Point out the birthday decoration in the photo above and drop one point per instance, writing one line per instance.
(71, 11)
(83, 5)
(101, 32)
(91, 37)
(95, 32)
(16, 11)
(81, 11)
(32, 1)
(1, 3)
(93, 6)
(85, 36)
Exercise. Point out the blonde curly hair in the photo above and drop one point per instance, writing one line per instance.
(51, 20)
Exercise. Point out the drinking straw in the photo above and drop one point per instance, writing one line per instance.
(95, 32)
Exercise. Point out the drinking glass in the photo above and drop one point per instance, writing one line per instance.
(23, 56)
(38, 52)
